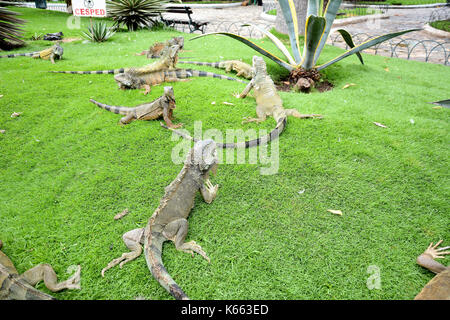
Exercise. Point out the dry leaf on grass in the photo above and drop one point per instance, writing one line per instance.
(213, 102)
(379, 124)
(386, 69)
(1, 96)
(228, 103)
(338, 212)
(15, 114)
(2, 131)
(348, 85)
(121, 215)
(437, 107)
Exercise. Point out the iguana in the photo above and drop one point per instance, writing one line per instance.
(169, 221)
(168, 61)
(243, 69)
(135, 80)
(160, 107)
(52, 53)
(268, 103)
(155, 50)
(21, 287)
(439, 287)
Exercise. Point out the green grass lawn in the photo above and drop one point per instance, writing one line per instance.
(441, 25)
(67, 168)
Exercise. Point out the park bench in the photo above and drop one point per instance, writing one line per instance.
(171, 21)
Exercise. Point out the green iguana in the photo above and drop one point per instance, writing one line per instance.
(52, 53)
(155, 50)
(439, 287)
(268, 103)
(168, 61)
(135, 80)
(169, 221)
(243, 69)
(21, 287)
(160, 107)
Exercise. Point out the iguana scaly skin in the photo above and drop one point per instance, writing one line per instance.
(243, 69)
(439, 287)
(134, 80)
(20, 287)
(52, 53)
(168, 60)
(169, 221)
(268, 103)
(161, 107)
(157, 48)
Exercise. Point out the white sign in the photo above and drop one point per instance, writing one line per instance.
(89, 8)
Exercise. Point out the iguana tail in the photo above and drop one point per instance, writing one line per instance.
(209, 64)
(186, 73)
(152, 250)
(275, 133)
(27, 54)
(115, 109)
(112, 71)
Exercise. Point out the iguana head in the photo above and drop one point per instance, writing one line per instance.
(126, 80)
(58, 50)
(170, 96)
(178, 41)
(259, 66)
(203, 156)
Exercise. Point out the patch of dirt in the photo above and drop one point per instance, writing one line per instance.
(71, 39)
(304, 81)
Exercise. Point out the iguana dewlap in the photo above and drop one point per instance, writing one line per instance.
(21, 287)
(161, 107)
(169, 220)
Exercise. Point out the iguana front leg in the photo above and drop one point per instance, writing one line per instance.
(295, 113)
(45, 272)
(176, 231)
(133, 240)
(426, 259)
(209, 191)
(167, 113)
(52, 58)
(247, 89)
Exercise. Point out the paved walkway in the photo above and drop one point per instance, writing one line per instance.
(417, 45)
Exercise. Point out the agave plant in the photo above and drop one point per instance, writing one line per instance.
(98, 32)
(10, 28)
(319, 19)
(135, 13)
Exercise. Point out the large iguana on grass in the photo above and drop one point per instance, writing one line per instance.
(268, 103)
(21, 287)
(243, 69)
(53, 53)
(439, 287)
(160, 107)
(169, 221)
(156, 49)
(136, 80)
(167, 61)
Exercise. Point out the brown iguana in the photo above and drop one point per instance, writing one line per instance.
(52, 53)
(155, 50)
(134, 80)
(168, 61)
(268, 103)
(21, 287)
(160, 107)
(169, 221)
(242, 68)
(439, 287)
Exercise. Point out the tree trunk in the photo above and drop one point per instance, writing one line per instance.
(300, 7)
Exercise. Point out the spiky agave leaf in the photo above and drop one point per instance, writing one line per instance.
(10, 29)
(98, 32)
(135, 13)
